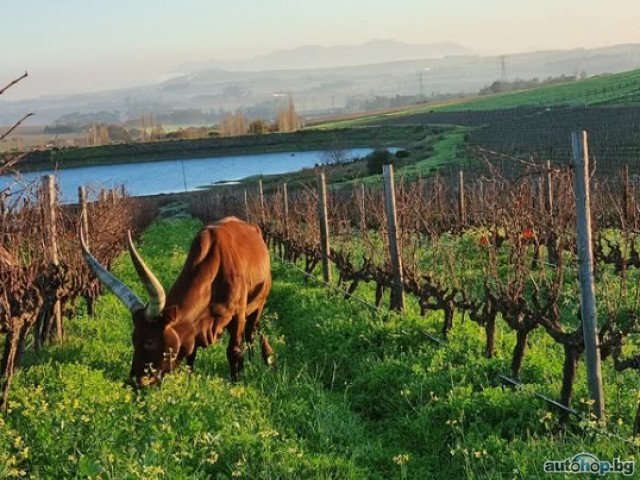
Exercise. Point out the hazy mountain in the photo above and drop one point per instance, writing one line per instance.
(316, 89)
(315, 56)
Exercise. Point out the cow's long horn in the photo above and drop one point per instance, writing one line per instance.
(120, 290)
(154, 287)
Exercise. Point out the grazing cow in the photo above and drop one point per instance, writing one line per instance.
(223, 284)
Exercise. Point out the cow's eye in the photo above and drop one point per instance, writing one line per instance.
(149, 344)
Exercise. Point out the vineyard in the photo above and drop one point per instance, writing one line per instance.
(43, 274)
(500, 250)
(361, 391)
(542, 134)
(447, 343)
(617, 89)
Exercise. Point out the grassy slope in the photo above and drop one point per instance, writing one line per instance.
(446, 151)
(429, 148)
(354, 396)
(615, 89)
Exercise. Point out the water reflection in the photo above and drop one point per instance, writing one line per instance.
(172, 176)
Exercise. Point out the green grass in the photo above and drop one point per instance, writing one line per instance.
(429, 148)
(355, 396)
(449, 150)
(617, 89)
(613, 89)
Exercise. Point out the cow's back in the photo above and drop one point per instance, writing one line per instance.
(244, 263)
(225, 258)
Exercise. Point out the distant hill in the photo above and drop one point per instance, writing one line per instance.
(315, 56)
(319, 90)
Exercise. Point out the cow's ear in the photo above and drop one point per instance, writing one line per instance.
(169, 315)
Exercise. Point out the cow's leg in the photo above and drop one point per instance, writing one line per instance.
(267, 352)
(250, 327)
(191, 359)
(234, 349)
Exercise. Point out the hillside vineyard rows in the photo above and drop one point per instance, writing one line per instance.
(542, 133)
(503, 255)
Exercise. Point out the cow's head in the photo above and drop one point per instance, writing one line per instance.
(155, 344)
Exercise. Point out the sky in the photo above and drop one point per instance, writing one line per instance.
(73, 46)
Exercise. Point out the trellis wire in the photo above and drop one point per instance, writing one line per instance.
(441, 343)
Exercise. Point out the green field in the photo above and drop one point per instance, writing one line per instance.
(617, 89)
(355, 395)
(620, 89)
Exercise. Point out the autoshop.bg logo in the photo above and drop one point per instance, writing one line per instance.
(588, 463)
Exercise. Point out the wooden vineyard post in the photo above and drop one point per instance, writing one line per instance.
(89, 296)
(52, 234)
(440, 200)
(397, 292)
(217, 203)
(541, 195)
(224, 204)
(247, 215)
(549, 185)
(3, 207)
(362, 206)
(261, 194)
(462, 210)
(324, 227)
(627, 199)
(285, 198)
(84, 214)
(580, 161)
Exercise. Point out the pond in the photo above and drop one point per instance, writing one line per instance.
(171, 176)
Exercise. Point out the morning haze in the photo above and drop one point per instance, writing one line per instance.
(145, 55)
(426, 161)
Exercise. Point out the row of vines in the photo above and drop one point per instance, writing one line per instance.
(501, 252)
(542, 132)
(42, 274)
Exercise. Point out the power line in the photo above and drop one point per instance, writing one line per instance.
(503, 68)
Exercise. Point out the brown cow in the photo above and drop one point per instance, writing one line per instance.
(223, 284)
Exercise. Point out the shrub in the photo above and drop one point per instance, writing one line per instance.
(376, 159)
